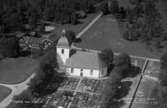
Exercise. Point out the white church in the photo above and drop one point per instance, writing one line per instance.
(78, 62)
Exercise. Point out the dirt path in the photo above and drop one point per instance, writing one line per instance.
(89, 25)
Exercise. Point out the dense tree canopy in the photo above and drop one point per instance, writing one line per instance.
(9, 47)
(107, 57)
(163, 74)
(123, 62)
(71, 36)
(25, 100)
(15, 14)
(47, 79)
(110, 88)
(145, 23)
(114, 89)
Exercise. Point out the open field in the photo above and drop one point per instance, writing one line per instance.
(153, 70)
(17, 70)
(75, 28)
(144, 98)
(4, 92)
(105, 33)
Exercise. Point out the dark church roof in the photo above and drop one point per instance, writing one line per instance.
(63, 41)
(85, 60)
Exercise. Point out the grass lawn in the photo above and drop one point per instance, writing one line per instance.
(76, 28)
(144, 98)
(137, 62)
(17, 70)
(105, 33)
(124, 3)
(11, 105)
(163, 10)
(4, 92)
(127, 99)
(153, 69)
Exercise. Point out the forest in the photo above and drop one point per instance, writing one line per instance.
(15, 15)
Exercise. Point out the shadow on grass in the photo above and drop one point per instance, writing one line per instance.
(25, 53)
(123, 90)
(77, 40)
(120, 93)
(53, 85)
(113, 104)
(133, 72)
(117, 104)
(46, 86)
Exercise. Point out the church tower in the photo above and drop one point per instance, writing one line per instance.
(63, 47)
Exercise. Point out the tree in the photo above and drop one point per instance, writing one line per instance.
(107, 56)
(130, 15)
(132, 33)
(47, 79)
(25, 100)
(71, 36)
(135, 2)
(14, 14)
(49, 57)
(152, 19)
(9, 47)
(163, 74)
(74, 19)
(123, 62)
(122, 59)
(110, 88)
(122, 13)
(104, 8)
(114, 8)
(138, 10)
(90, 7)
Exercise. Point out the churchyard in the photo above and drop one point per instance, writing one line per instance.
(83, 92)
(76, 92)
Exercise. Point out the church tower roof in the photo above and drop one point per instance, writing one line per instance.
(63, 41)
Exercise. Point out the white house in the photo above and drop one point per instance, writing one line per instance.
(80, 63)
